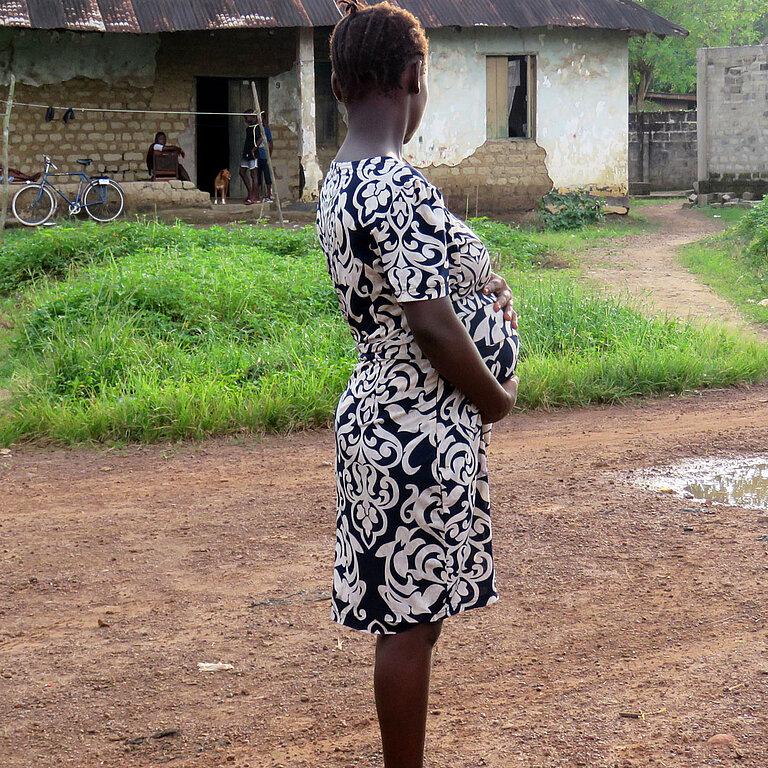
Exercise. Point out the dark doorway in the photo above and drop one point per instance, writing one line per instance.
(212, 130)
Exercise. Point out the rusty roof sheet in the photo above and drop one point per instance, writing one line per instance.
(521, 14)
(148, 16)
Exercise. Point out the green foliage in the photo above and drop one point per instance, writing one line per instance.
(754, 227)
(570, 210)
(25, 255)
(215, 331)
(670, 65)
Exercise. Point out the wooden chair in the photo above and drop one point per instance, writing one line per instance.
(165, 165)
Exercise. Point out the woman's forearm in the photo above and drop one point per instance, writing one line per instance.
(447, 345)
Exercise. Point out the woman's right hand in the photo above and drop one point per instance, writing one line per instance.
(510, 387)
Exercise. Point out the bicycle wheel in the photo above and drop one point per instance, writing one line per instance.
(33, 204)
(103, 199)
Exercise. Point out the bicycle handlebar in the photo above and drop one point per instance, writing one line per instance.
(49, 162)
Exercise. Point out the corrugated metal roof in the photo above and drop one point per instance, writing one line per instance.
(522, 14)
(148, 16)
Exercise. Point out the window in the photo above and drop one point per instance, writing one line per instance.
(511, 90)
(326, 111)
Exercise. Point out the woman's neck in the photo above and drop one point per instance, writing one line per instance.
(376, 127)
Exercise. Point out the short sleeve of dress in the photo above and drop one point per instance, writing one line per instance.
(408, 228)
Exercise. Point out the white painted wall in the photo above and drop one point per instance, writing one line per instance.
(582, 102)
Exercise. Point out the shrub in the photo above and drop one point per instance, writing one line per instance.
(570, 210)
(754, 226)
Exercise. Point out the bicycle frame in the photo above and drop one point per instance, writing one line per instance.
(76, 205)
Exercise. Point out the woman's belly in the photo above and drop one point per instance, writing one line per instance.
(495, 338)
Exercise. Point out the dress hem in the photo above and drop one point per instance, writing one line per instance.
(394, 629)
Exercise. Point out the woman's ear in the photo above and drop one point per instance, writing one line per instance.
(412, 76)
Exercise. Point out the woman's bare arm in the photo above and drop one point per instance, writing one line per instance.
(447, 345)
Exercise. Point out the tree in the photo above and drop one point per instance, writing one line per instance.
(670, 64)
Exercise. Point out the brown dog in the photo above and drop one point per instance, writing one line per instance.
(221, 186)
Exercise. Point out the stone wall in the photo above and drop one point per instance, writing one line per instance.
(733, 119)
(502, 175)
(662, 150)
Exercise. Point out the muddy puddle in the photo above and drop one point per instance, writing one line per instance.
(742, 482)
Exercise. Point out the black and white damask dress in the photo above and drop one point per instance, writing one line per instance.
(413, 540)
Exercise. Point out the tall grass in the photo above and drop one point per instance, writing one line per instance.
(735, 264)
(582, 347)
(175, 332)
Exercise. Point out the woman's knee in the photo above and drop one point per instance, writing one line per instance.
(421, 634)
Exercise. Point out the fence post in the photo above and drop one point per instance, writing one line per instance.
(6, 133)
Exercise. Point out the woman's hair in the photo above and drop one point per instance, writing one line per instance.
(371, 47)
(158, 135)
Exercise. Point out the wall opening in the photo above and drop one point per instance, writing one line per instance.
(212, 150)
(511, 97)
(220, 137)
(325, 104)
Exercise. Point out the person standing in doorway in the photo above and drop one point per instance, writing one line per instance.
(264, 176)
(249, 162)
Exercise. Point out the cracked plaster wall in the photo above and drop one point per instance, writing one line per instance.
(581, 99)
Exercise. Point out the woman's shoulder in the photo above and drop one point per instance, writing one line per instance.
(388, 179)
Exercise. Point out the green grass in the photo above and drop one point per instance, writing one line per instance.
(729, 216)
(641, 201)
(735, 264)
(135, 332)
(582, 348)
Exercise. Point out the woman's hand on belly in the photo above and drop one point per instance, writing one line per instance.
(498, 285)
(448, 346)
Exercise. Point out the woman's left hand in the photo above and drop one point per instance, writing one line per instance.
(498, 285)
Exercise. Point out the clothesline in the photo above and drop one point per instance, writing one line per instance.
(121, 111)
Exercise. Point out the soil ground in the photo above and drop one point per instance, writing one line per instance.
(632, 625)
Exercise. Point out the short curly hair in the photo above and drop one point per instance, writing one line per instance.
(371, 47)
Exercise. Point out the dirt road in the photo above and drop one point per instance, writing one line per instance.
(646, 266)
(632, 628)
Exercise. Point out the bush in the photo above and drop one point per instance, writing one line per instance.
(754, 226)
(570, 210)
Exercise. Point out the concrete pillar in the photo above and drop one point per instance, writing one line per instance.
(702, 118)
(307, 128)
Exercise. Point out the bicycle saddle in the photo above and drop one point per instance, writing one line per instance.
(85, 161)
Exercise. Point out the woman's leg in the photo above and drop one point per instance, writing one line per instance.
(401, 684)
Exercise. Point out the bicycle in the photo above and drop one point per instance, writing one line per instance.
(101, 197)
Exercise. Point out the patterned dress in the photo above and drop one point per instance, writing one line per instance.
(413, 539)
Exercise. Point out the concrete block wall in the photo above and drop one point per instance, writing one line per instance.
(500, 176)
(663, 149)
(733, 119)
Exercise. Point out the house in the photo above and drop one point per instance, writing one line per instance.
(524, 95)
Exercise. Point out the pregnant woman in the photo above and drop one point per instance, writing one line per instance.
(437, 349)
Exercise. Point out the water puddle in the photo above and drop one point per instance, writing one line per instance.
(741, 482)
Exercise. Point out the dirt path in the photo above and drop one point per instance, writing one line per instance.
(632, 628)
(646, 266)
